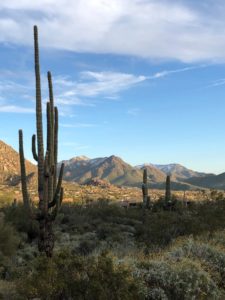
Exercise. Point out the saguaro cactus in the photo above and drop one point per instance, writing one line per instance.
(50, 191)
(168, 191)
(146, 197)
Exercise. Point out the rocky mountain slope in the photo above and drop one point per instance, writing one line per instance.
(112, 168)
(179, 172)
(10, 165)
(209, 181)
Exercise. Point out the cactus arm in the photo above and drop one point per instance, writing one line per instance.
(61, 196)
(34, 151)
(39, 117)
(49, 129)
(58, 188)
(55, 146)
(52, 116)
(26, 197)
(58, 204)
(46, 181)
(50, 148)
(51, 97)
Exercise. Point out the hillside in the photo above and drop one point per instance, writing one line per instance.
(179, 172)
(209, 181)
(112, 168)
(10, 165)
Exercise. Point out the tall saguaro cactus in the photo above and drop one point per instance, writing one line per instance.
(146, 197)
(168, 191)
(50, 191)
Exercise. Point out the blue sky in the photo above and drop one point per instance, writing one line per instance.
(141, 79)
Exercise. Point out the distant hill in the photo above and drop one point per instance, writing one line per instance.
(10, 165)
(154, 174)
(112, 168)
(209, 181)
(179, 172)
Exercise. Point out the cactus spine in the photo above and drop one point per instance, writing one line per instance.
(50, 189)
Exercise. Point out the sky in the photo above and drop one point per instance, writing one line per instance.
(140, 79)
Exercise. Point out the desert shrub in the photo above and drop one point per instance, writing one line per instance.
(9, 242)
(86, 247)
(211, 258)
(215, 238)
(162, 227)
(18, 217)
(104, 210)
(9, 239)
(183, 280)
(5, 198)
(72, 277)
(7, 290)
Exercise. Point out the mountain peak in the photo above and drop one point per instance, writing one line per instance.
(79, 158)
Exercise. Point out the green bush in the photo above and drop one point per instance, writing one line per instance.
(211, 257)
(7, 290)
(17, 216)
(181, 281)
(9, 240)
(72, 277)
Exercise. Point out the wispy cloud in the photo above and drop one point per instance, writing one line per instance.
(92, 85)
(180, 30)
(107, 85)
(216, 83)
(68, 92)
(88, 89)
(169, 72)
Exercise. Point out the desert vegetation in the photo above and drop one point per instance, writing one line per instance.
(104, 249)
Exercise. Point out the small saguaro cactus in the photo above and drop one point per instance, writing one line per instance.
(168, 191)
(146, 197)
(50, 192)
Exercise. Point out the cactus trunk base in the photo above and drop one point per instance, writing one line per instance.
(46, 239)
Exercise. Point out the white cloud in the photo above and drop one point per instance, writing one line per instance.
(156, 29)
(94, 84)
(216, 83)
(88, 89)
(106, 83)
(169, 72)
(68, 92)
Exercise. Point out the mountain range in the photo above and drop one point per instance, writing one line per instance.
(114, 170)
(82, 169)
